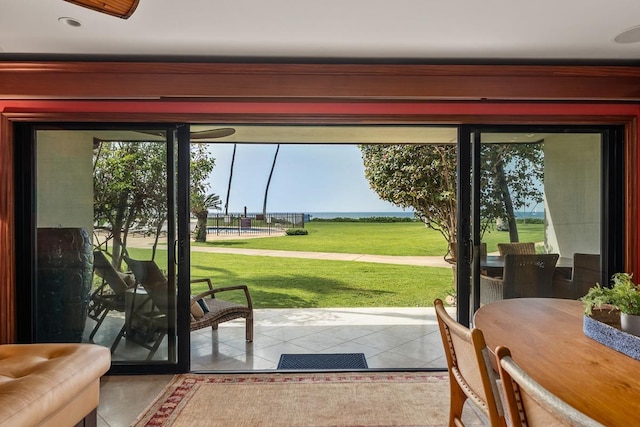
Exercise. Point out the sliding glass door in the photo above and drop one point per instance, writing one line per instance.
(105, 239)
(541, 212)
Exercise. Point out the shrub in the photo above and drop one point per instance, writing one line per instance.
(296, 232)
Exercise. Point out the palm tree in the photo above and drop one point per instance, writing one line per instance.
(200, 205)
(233, 160)
(266, 191)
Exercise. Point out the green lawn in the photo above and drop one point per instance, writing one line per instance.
(398, 238)
(308, 283)
(305, 283)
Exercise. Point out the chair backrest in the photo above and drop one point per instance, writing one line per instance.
(103, 268)
(470, 371)
(517, 248)
(528, 276)
(586, 272)
(149, 275)
(530, 404)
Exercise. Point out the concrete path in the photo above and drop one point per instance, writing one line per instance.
(425, 261)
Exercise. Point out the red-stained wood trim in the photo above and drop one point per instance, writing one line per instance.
(7, 233)
(346, 81)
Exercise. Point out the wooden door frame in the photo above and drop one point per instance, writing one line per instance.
(10, 117)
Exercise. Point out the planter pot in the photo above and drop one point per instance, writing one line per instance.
(64, 280)
(630, 323)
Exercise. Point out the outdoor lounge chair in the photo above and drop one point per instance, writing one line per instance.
(147, 312)
(523, 276)
(216, 310)
(110, 294)
(148, 316)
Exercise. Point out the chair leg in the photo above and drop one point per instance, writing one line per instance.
(249, 328)
(156, 345)
(99, 322)
(456, 403)
(118, 338)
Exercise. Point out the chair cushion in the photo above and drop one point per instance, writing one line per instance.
(127, 278)
(196, 310)
(203, 305)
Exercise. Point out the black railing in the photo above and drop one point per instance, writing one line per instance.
(243, 224)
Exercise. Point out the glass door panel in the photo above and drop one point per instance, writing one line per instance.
(540, 214)
(105, 226)
(537, 214)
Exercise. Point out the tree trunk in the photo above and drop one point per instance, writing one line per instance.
(266, 191)
(503, 186)
(201, 226)
(233, 160)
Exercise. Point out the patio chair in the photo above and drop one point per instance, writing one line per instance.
(516, 248)
(147, 311)
(111, 292)
(471, 376)
(585, 274)
(523, 276)
(148, 323)
(216, 310)
(530, 404)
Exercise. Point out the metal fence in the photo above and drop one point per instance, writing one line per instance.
(254, 224)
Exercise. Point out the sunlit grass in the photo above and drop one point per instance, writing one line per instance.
(310, 283)
(306, 283)
(399, 238)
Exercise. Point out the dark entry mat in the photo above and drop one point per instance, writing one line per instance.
(323, 361)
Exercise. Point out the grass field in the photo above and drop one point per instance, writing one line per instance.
(399, 238)
(310, 283)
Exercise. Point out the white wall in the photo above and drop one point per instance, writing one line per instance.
(572, 186)
(64, 179)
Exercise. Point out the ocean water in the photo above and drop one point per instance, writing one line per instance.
(356, 215)
(409, 214)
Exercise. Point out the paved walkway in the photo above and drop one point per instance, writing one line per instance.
(424, 261)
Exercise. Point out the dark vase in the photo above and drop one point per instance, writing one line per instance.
(63, 284)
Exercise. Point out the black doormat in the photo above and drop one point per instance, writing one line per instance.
(323, 361)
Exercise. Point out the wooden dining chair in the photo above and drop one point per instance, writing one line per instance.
(530, 404)
(517, 248)
(471, 376)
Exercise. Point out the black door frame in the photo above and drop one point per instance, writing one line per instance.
(178, 158)
(612, 204)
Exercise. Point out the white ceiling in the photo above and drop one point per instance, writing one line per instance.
(372, 29)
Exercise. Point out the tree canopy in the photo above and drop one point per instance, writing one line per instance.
(423, 178)
(130, 188)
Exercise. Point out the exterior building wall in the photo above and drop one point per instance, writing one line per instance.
(64, 193)
(572, 187)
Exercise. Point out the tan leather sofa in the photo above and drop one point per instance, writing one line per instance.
(51, 384)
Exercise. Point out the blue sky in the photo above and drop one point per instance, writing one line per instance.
(307, 178)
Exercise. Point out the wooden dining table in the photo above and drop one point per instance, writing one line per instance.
(546, 339)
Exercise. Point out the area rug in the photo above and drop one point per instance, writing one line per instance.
(332, 399)
(320, 361)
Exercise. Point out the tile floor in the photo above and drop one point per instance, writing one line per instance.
(390, 338)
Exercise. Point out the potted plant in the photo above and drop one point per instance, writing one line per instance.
(623, 295)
